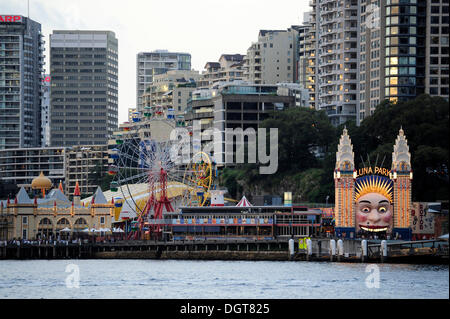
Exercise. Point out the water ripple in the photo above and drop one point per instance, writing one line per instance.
(180, 279)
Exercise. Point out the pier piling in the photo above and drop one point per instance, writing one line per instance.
(340, 249)
(332, 249)
(364, 250)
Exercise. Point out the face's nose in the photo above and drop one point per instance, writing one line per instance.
(373, 217)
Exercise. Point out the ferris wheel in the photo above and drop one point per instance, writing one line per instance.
(146, 164)
(199, 175)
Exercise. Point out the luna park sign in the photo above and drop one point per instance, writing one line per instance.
(373, 171)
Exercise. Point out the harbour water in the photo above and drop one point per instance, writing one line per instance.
(181, 279)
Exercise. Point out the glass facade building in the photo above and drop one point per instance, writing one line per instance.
(405, 33)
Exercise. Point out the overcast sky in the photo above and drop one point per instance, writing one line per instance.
(204, 28)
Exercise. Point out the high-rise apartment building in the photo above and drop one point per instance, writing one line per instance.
(437, 48)
(312, 49)
(84, 95)
(393, 50)
(337, 58)
(45, 110)
(362, 52)
(171, 90)
(272, 59)
(404, 51)
(229, 68)
(21, 72)
(301, 51)
(149, 64)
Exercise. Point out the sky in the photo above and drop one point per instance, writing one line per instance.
(204, 28)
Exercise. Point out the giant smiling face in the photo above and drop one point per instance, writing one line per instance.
(374, 213)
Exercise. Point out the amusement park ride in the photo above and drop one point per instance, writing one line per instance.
(140, 160)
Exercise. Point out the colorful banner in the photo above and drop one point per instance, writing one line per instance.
(422, 222)
(328, 212)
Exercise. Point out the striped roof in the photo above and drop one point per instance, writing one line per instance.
(244, 202)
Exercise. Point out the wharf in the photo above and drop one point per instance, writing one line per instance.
(425, 251)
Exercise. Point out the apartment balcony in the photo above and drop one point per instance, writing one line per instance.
(351, 60)
(328, 62)
(351, 6)
(350, 28)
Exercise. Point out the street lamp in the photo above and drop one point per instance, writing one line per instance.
(326, 199)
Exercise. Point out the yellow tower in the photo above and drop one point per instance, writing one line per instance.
(344, 184)
(401, 174)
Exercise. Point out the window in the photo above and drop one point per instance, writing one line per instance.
(24, 220)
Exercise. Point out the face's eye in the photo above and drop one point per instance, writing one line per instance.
(382, 209)
(365, 209)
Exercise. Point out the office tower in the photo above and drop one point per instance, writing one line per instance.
(84, 95)
(149, 64)
(21, 71)
(272, 59)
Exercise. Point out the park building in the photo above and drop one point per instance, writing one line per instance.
(53, 215)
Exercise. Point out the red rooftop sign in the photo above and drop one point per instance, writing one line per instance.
(10, 18)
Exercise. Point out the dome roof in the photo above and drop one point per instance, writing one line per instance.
(41, 182)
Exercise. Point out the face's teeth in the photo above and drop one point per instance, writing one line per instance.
(374, 229)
